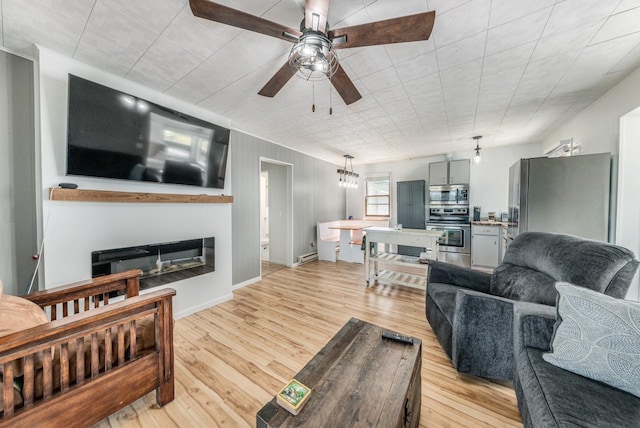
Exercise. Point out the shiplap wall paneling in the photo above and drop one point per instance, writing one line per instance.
(315, 197)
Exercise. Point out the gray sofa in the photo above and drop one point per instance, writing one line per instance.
(549, 396)
(471, 312)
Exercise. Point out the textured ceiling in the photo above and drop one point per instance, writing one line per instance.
(509, 70)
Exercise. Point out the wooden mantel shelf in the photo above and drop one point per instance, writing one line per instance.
(59, 194)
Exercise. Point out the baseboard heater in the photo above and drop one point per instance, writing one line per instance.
(305, 258)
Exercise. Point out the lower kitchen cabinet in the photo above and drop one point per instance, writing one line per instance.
(486, 246)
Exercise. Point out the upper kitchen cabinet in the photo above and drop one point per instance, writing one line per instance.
(452, 172)
(438, 173)
(459, 171)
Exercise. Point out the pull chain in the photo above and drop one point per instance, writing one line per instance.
(330, 99)
(313, 106)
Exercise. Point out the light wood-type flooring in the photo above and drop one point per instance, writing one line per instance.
(234, 357)
(268, 268)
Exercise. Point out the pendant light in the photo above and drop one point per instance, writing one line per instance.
(347, 178)
(476, 158)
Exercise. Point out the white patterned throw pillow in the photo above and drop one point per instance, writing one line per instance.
(597, 337)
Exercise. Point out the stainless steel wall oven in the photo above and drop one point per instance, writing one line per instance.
(453, 221)
(455, 244)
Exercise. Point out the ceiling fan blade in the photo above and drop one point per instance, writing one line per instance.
(278, 80)
(396, 30)
(345, 86)
(236, 18)
(320, 8)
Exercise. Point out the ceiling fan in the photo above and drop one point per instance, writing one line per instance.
(312, 53)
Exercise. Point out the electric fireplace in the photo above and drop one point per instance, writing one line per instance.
(160, 263)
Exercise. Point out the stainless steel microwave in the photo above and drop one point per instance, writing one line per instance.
(457, 194)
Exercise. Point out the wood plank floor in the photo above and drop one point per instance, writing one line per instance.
(232, 358)
(268, 268)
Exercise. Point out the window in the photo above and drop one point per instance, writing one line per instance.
(376, 199)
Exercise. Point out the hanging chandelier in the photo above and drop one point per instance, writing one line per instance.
(348, 179)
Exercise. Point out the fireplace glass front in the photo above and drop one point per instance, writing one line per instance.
(160, 263)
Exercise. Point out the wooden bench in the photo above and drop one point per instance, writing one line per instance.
(328, 240)
(90, 360)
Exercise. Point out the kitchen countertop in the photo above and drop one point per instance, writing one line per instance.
(490, 223)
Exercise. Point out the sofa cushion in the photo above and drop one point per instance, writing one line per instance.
(16, 314)
(598, 337)
(523, 284)
(557, 397)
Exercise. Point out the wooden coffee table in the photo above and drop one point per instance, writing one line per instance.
(357, 379)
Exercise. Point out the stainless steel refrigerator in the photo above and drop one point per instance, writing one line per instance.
(561, 195)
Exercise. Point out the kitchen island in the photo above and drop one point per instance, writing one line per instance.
(410, 237)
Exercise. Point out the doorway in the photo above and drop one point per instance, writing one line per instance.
(264, 215)
(276, 243)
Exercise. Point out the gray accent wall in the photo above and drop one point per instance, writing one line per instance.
(18, 226)
(316, 197)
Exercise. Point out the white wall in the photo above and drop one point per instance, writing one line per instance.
(489, 180)
(406, 170)
(597, 129)
(75, 229)
(628, 221)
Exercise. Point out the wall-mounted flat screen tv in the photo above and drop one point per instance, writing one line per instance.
(113, 134)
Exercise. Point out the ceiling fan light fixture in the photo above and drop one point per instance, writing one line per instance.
(315, 21)
(313, 56)
(403, 29)
(308, 51)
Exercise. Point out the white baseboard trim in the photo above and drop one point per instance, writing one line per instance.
(203, 306)
(247, 282)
